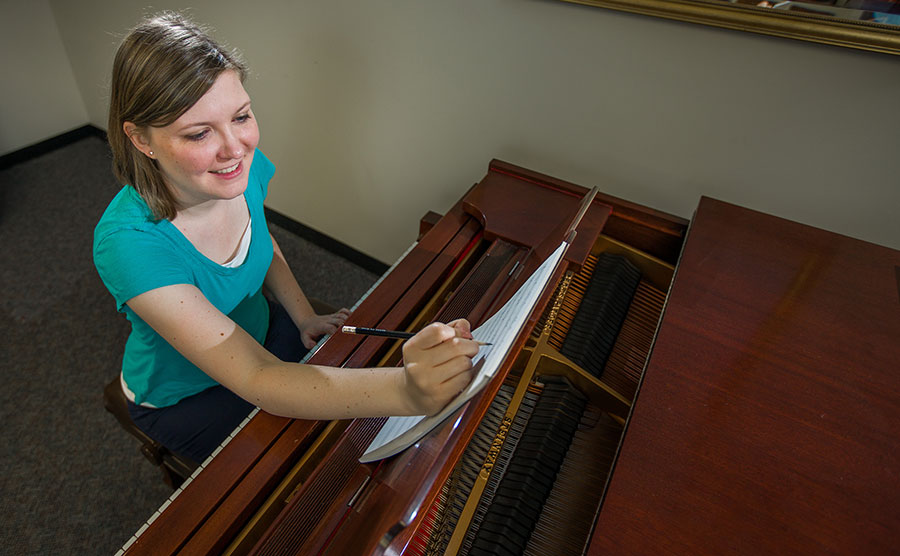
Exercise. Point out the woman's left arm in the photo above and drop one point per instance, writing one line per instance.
(280, 281)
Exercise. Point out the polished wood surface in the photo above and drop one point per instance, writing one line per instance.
(207, 512)
(765, 421)
(768, 416)
(512, 210)
(361, 502)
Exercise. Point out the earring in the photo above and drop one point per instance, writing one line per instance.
(151, 153)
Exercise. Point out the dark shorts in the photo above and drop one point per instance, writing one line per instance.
(197, 425)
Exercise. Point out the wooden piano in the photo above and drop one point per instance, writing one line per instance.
(731, 389)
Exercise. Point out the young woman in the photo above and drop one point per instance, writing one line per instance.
(186, 253)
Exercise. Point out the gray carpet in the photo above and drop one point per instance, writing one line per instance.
(73, 481)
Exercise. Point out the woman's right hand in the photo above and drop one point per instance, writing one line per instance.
(438, 365)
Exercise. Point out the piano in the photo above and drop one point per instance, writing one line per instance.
(729, 384)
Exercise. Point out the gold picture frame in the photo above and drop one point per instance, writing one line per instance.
(865, 35)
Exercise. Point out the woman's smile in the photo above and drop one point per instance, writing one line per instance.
(229, 172)
(204, 155)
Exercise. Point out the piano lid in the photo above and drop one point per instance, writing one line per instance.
(767, 419)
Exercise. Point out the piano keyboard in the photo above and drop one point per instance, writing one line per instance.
(134, 538)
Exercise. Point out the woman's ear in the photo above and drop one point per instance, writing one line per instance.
(138, 138)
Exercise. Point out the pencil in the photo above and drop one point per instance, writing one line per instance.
(386, 333)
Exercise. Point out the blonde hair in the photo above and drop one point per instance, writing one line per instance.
(161, 69)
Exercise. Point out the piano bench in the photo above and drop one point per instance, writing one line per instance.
(175, 469)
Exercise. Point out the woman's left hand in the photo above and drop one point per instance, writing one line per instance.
(317, 326)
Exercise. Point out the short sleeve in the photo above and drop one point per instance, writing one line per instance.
(261, 172)
(131, 262)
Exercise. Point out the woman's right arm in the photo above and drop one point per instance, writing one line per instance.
(437, 364)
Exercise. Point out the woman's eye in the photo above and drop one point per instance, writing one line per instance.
(197, 136)
(242, 118)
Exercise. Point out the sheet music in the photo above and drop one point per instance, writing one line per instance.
(501, 331)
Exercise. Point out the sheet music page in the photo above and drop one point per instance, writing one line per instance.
(500, 330)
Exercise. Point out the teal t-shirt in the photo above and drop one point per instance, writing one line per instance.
(135, 253)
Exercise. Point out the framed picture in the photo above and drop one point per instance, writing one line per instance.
(865, 24)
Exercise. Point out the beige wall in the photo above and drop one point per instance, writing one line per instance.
(38, 95)
(375, 112)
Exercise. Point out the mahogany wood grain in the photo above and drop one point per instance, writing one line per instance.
(534, 211)
(232, 514)
(229, 470)
(439, 265)
(216, 500)
(412, 299)
(403, 477)
(768, 416)
(427, 222)
(189, 511)
(399, 480)
(655, 232)
(529, 214)
(480, 309)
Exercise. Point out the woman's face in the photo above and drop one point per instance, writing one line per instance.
(206, 153)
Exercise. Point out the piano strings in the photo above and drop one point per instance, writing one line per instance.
(621, 368)
(601, 311)
(601, 319)
(542, 489)
(527, 481)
